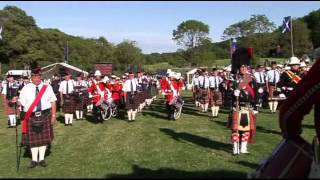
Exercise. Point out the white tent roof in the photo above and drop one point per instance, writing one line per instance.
(19, 72)
(192, 71)
(68, 66)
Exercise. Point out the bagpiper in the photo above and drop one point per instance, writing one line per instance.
(39, 102)
(243, 116)
(80, 93)
(203, 95)
(10, 92)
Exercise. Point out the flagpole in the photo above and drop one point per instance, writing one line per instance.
(291, 37)
(231, 48)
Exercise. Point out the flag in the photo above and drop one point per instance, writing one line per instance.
(233, 45)
(286, 26)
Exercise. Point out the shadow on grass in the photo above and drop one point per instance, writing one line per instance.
(248, 164)
(198, 140)
(267, 131)
(140, 172)
(309, 126)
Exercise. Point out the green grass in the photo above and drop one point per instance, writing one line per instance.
(193, 146)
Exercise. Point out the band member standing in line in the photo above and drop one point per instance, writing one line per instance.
(10, 92)
(37, 125)
(67, 99)
(215, 94)
(272, 79)
(131, 96)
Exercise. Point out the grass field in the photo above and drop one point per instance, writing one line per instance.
(193, 146)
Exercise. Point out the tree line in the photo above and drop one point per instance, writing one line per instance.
(24, 42)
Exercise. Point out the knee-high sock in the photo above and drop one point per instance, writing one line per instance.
(134, 114)
(275, 105)
(202, 107)
(71, 118)
(81, 114)
(206, 107)
(213, 110)
(34, 153)
(12, 119)
(270, 105)
(66, 118)
(217, 110)
(129, 114)
(77, 114)
(42, 152)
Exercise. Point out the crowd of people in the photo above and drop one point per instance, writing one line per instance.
(239, 87)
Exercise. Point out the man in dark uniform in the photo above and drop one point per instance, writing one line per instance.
(242, 115)
(290, 78)
(37, 124)
(55, 83)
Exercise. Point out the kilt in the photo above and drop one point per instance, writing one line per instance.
(32, 138)
(141, 97)
(9, 110)
(69, 107)
(271, 90)
(215, 98)
(87, 100)
(203, 96)
(79, 102)
(196, 93)
(134, 104)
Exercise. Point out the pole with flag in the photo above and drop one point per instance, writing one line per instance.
(233, 46)
(66, 54)
(287, 27)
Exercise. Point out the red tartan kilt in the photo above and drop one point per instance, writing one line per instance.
(9, 110)
(88, 100)
(215, 98)
(204, 98)
(70, 106)
(45, 137)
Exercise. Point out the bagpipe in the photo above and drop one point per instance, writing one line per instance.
(79, 92)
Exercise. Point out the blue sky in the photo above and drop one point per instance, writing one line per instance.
(151, 23)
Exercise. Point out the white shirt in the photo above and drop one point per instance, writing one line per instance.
(270, 76)
(215, 81)
(63, 86)
(259, 76)
(127, 85)
(195, 81)
(206, 81)
(28, 95)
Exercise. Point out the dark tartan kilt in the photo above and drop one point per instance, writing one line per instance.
(134, 104)
(88, 101)
(149, 95)
(141, 97)
(45, 137)
(70, 106)
(79, 102)
(198, 94)
(215, 98)
(9, 110)
(203, 96)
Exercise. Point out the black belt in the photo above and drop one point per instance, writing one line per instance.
(41, 113)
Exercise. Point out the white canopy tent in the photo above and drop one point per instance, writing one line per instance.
(50, 70)
(189, 77)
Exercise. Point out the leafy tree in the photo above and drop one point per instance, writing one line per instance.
(191, 33)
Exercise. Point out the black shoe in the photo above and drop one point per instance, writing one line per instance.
(70, 124)
(33, 164)
(65, 124)
(43, 163)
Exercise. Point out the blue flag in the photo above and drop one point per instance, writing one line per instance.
(286, 27)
